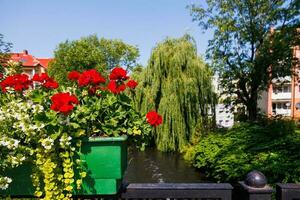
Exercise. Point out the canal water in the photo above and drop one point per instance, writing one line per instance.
(153, 166)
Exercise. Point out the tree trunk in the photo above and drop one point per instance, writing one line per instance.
(252, 107)
(252, 111)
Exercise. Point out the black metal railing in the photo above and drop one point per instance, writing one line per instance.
(289, 191)
(254, 187)
(221, 191)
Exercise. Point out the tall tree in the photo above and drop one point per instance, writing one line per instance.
(5, 48)
(91, 52)
(252, 44)
(177, 84)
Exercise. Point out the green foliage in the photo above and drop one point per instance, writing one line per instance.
(243, 46)
(177, 84)
(33, 132)
(278, 126)
(12, 67)
(89, 53)
(267, 147)
(5, 48)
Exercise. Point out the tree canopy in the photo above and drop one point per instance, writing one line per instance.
(252, 44)
(177, 84)
(5, 48)
(91, 52)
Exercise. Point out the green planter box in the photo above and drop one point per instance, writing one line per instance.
(105, 160)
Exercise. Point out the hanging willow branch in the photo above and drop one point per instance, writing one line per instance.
(177, 84)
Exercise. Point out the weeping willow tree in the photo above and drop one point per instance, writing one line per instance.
(177, 84)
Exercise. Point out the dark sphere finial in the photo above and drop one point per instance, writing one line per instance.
(256, 179)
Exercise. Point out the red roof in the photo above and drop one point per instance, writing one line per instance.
(44, 61)
(28, 60)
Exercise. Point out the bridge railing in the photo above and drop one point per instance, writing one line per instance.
(222, 191)
(254, 187)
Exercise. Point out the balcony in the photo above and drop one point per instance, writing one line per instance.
(282, 95)
(283, 112)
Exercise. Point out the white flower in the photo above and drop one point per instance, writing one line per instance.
(37, 108)
(22, 125)
(47, 143)
(65, 140)
(4, 182)
(9, 143)
(4, 143)
(36, 127)
(13, 144)
(14, 161)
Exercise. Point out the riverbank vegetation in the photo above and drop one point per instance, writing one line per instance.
(271, 146)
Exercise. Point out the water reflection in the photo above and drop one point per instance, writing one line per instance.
(152, 166)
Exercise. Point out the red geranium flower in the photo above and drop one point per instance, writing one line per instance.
(36, 77)
(45, 81)
(153, 118)
(132, 84)
(74, 75)
(18, 82)
(44, 77)
(63, 102)
(90, 77)
(116, 88)
(51, 84)
(118, 73)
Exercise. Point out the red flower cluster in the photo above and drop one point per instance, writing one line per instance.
(116, 87)
(45, 81)
(18, 82)
(87, 77)
(63, 102)
(132, 84)
(118, 73)
(153, 118)
(93, 78)
(74, 75)
(117, 77)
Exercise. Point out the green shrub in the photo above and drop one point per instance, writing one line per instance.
(271, 147)
(278, 125)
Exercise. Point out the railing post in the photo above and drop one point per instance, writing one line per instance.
(222, 191)
(255, 187)
(287, 191)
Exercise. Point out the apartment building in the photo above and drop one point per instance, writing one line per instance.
(283, 95)
(223, 113)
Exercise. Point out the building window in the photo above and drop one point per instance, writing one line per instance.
(279, 106)
(287, 89)
(282, 89)
(284, 106)
(298, 106)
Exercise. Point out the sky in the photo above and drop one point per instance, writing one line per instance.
(40, 25)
